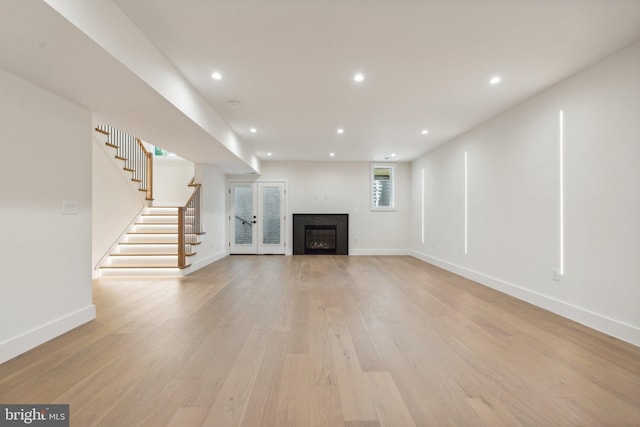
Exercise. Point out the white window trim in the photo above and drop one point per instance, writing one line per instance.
(391, 166)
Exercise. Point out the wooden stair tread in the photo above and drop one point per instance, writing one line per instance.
(147, 243)
(152, 232)
(156, 223)
(149, 255)
(159, 267)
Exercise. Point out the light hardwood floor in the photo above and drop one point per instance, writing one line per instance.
(326, 341)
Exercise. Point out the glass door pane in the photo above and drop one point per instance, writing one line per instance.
(243, 208)
(271, 216)
(242, 219)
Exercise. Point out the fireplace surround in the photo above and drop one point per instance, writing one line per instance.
(321, 234)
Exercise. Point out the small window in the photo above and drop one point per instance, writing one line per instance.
(161, 152)
(382, 187)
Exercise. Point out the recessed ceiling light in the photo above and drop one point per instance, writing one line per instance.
(393, 154)
(269, 154)
(216, 75)
(495, 80)
(358, 77)
(253, 130)
(332, 154)
(340, 130)
(424, 131)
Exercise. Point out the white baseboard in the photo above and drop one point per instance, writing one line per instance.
(206, 261)
(364, 252)
(613, 327)
(388, 252)
(33, 338)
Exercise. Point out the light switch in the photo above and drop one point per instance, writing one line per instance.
(69, 207)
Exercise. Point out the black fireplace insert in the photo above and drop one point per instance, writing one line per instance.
(321, 234)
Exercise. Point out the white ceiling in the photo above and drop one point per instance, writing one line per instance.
(41, 46)
(290, 64)
(427, 64)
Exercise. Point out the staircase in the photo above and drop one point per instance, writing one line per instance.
(149, 247)
(160, 240)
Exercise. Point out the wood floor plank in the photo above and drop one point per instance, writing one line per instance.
(263, 401)
(326, 407)
(326, 341)
(353, 385)
(493, 413)
(368, 355)
(390, 407)
(293, 408)
(193, 417)
(230, 405)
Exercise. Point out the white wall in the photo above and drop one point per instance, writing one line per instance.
(45, 256)
(171, 178)
(343, 187)
(134, 50)
(514, 199)
(116, 200)
(213, 207)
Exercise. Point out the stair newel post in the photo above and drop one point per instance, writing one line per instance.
(182, 259)
(196, 213)
(149, 177)
(134, 158)
(140, 172)
(142, 164)
(142, 159)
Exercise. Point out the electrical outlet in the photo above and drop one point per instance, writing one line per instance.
(556, 274)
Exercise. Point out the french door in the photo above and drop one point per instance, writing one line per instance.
(256, 219)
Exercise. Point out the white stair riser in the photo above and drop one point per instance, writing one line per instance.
(140, 272)
(158, 219)
(158, 228)
(154, 228)
(147, 249)
(163, 219)
(160, 211)
(147, 261)
(151, 238)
